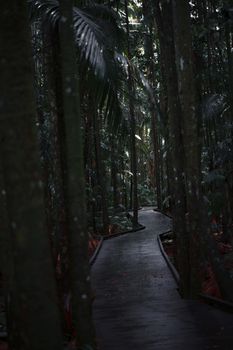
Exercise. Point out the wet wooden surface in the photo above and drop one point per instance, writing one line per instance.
(137, 306)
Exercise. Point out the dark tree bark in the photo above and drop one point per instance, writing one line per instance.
(49, 135)
(166, 38)
(197, 226)
(100, 170)
(149, 53)
(132, 128)
(75, 182)
(229, 35)
(187, 94)
(33, 315)
(114, 172)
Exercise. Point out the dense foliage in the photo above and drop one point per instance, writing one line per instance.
(134, 107)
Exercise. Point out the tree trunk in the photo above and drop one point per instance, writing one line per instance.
(187, 94)
(75, 182)
(149, 53)
(114, 171)
(166, 39)
(34, 319)
(132, 130)
(230, 66)
(100, 168)
(49, 136)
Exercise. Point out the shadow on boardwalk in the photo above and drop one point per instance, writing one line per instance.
(137, 305)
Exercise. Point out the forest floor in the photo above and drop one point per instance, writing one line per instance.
(137, 305)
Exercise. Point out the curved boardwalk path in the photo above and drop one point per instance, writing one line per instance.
(137, 306)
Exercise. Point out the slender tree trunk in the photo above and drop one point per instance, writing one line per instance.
(49, 136)
(230, 66)
(6, 256)
(114, 171)
(156, 153)
(75, 182)
(166, 179)
(196, 222)
(34, 319)
(100, 169)
(166, 38)
(132, 129)
(149, 53)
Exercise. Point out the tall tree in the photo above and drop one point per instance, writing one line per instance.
(187, 95)
(132, 126)
(149, 55)
(100, 167)
(164, 23)
(75, 181)
(33, 315)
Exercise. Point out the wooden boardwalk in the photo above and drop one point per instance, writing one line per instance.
(137, 306)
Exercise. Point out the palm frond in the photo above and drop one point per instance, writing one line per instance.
(213, 106)
(90, 40)
(90, 34)
(47, 11)
(101, 71)
(141, 80)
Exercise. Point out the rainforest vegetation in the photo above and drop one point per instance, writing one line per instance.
(106, 107)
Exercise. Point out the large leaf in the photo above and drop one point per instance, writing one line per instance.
(99, 69)
(91, 38)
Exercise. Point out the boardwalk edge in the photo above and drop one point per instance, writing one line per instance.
(104, 238)
(168, 261)
(212, 301)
